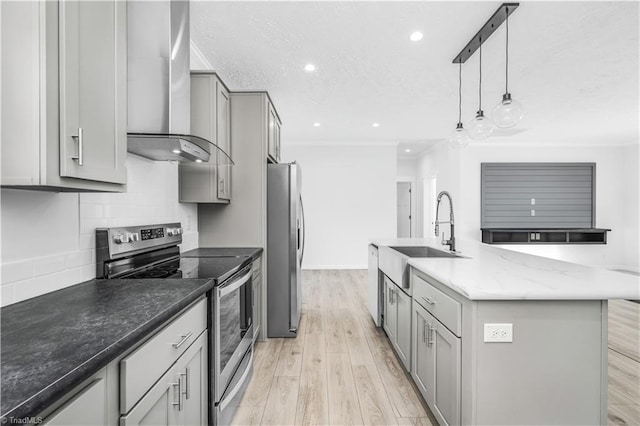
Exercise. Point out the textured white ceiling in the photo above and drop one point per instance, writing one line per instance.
(573, 65)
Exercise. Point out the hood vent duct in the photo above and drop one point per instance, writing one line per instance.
(159, 85)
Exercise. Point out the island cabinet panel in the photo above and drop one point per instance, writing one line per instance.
(397, 320)
(553, 371)
(437, 366)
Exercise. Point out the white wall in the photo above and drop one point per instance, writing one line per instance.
(407, 167)
(48, 239)
(617, 189)
(349, 193)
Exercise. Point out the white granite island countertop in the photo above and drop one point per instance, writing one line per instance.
(491, 273)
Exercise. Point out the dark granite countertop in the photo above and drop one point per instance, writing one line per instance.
(52, 343)
(253, 252)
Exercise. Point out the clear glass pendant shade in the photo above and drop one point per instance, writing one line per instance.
(480, 127)
(459, 137)
(507, 113)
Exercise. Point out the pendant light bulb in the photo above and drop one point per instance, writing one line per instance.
(459, 137)
(507, 113)
(480, 127)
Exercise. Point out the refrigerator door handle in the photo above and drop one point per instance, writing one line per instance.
(304, 231)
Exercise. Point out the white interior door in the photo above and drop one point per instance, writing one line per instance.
(404, 209)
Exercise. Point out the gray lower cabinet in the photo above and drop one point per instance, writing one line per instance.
(397, 320)
(64, 100)
(88, 407)
(164, 381)
(210, 119)
(436, 366)
(180, 396)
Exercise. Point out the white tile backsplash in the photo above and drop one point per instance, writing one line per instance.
(48, 239)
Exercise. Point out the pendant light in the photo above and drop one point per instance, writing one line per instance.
(459, 137)
(481, 126)
(508, 112)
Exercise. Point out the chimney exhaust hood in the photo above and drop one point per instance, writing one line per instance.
(159, 85)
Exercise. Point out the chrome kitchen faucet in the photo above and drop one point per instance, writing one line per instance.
(452, 241)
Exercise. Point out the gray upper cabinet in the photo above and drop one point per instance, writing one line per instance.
(211, 120)
(64, 102)
(273, 149)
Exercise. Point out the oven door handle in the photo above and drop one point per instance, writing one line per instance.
(234, 285)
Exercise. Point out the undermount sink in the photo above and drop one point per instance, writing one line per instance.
(418, 251)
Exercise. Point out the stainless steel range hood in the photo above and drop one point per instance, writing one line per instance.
(159, 88)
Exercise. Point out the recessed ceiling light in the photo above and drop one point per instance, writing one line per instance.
(176, 151)
(309, 68)
(407, 150)
(376, 124)
(316, 124)
(416, 36)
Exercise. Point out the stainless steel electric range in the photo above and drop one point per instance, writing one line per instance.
(152, 252)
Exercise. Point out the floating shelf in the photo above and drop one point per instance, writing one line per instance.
(544, 236)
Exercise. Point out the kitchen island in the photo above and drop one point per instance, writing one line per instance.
(501, 337)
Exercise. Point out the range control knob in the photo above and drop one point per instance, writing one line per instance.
(173, 232)
(134, 236)
(121, 239)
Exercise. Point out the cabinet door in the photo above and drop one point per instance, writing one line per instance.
(192, 368)
(93, 90)
(444, 357)
(277, 140)
(421, 371)
(403, 327)
(223, 120)
(390, 313)
(160, 406)
(86, 408)
(272, 121)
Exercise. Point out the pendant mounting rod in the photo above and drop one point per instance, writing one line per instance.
(487, 29)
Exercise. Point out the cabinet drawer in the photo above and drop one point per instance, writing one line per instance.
(140, 370)
(447, 310)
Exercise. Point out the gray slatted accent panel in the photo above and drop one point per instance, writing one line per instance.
(564, 195)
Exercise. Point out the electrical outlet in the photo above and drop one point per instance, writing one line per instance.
(498, 333)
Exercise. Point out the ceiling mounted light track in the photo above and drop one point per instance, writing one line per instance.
(485, 32)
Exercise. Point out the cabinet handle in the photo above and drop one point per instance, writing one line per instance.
(185, 337)
(80, 156)
(179, 385)
(222, 185)
(431, 329)
(186, 375)
(429, 300)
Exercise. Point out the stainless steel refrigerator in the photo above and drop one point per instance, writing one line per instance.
(285, 249)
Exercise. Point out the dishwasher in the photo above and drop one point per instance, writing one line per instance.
(374, 292)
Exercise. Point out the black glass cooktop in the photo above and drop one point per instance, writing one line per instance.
(218, 268)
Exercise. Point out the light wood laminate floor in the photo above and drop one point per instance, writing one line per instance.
(342, 370)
